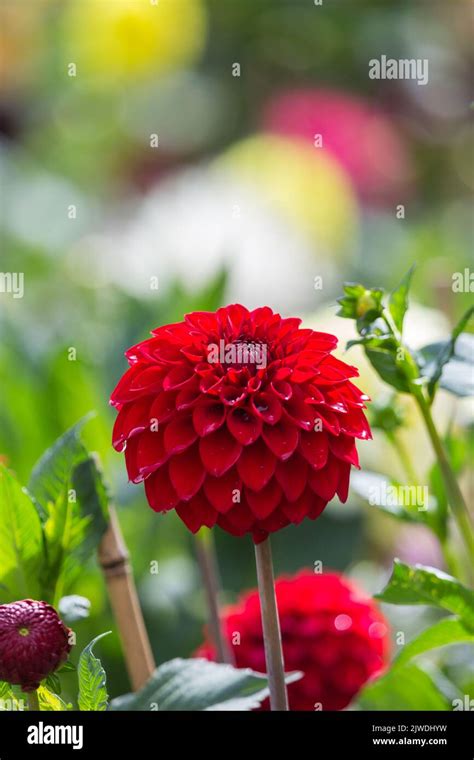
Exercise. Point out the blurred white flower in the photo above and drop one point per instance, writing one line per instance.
(194, 224)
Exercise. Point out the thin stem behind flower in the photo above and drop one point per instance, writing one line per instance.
(206, 554)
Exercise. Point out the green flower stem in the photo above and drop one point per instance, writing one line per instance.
(453, 491)
(271, 627)
(207, 559)
(33, 701)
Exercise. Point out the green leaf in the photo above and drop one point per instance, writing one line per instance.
(49, 701)
(436, 357)
(398, 300)
(198, 684)
(53, 683)
(68, 667)
(457, 375)
(92, 679)
(73, 608)
(9, 701)
(427, 585)
(443, 633)
(21, 541)
(404, 688)
(51, 475)
(92, 495)
(386, 365)
(73, 528)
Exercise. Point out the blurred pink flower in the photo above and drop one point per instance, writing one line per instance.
(416, 544)
(357, 133)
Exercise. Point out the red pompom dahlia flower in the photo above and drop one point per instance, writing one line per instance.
(239, 418)
(34, 642)
(331, 632)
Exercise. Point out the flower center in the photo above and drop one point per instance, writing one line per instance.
(250, 355)
(239, 354)
(24, 631)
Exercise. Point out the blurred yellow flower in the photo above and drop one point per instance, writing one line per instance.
(118, 40)
(305, 184)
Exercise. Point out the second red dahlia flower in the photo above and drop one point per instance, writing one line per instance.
(331, 631)
(239, 418)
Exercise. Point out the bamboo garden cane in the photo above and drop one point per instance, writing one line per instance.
(114, 561)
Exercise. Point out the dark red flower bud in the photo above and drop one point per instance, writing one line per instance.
(331, 631)
(239, 418)
(34, 642)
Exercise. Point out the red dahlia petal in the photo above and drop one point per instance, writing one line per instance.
(302, 374)
(314, 447)
(197, 512)
(177, 377)
(343, 482)
(254, 384)
(207, 417)
(160, 492)
(179, 435)
(219, 451)
(210, 383)
(329, 420)
(188, 396)
(163, 407)
(317, 507)
(282, 438)
(303, 414)
(224, 492)
(324, 482)
(297, 510)
(122, 392)
(276, 521)
(263, 502)
(232, 317)
(202, 321)
(231, 395)
(151, 452)
(244, 426)
(344, 447)
(131, 460)
(187, 473)
(267, 407)
(166, 353)
(292, 475)
(131, 419)
(256, 465)
(282, 389)
(150, 380)
(355, 423)
(239, 520)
